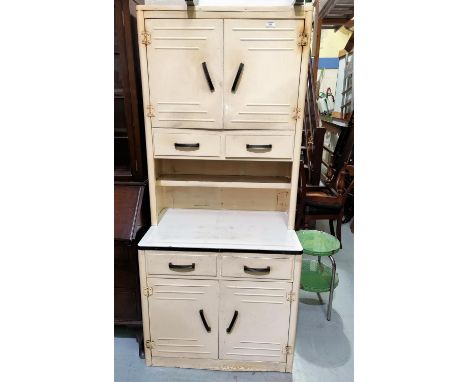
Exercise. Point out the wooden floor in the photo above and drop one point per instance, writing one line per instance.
(324, 349)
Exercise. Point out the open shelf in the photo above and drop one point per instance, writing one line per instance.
(224, 181)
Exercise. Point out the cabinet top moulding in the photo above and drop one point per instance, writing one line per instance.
(228, 12)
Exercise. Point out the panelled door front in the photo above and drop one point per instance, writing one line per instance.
(262, 62)
(184, 318)
(185, 73)
(254, 320)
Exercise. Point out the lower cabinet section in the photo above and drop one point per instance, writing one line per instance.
(218, 322)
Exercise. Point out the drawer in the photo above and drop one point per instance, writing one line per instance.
(260, 146)
(186, 144)
(257, 267)
(180, 263)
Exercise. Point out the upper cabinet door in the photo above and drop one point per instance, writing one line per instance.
(262, 62)
(185, 73)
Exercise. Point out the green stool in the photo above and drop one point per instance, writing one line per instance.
(315, 276)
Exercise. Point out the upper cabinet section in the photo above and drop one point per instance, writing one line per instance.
(185, 73)
(262, 62)
(231, 73)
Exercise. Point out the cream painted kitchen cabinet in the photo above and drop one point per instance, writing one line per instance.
(223, 90)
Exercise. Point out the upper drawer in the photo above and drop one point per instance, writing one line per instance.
(186, 144)
(260, 146)
(257, 267)
(180, 263)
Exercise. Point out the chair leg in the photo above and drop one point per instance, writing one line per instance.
(332, 284)
(338, 229)
(300, 216)
(332, 228)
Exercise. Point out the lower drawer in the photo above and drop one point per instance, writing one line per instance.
(260, 146)
(180, 263)
(184, 144)
(263, 266)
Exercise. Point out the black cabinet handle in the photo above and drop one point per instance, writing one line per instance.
(208, 329)
(257, 271)
(236, 80)
(187, 145)
(258, 147)
(207, 76)
(182, 268)
(233, 321)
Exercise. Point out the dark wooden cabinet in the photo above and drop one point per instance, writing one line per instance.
(129, 143)
(131, 204)
(131, 221)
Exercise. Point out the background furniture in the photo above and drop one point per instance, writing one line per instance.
(131, 204)
(324, 202)
(223, 97)
(129, 152)
(131, 221)
(338, 146)
(317, 277)
(313, 135)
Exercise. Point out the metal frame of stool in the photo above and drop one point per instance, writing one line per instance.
(332, 285)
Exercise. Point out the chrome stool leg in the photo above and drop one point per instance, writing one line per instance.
(332, 283)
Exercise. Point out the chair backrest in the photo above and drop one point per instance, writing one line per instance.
(344, 181)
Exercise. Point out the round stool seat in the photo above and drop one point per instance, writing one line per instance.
(318, 243)
(316, 277)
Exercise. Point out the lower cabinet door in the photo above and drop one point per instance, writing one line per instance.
(254, 320)
(183, 317)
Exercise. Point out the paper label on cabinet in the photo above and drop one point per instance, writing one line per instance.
(270, 24)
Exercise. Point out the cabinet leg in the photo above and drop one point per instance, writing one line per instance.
(141, 343)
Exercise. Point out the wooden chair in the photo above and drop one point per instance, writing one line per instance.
(324, 202)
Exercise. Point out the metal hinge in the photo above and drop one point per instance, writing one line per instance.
(302, 41)
(291, 296)
(296, 113)
(150, 111)
(149, 344)
(287, 349)
(148, 291)
(145, 38)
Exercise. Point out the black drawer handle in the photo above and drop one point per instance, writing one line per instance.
(258, 147)
(208, 329)
(182, 268)
(257, 271)
(236, 80)
(187, 145)
(207, 76)
(233, 321)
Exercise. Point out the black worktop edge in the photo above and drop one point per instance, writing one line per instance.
(176, 249)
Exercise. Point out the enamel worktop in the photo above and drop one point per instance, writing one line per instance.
(223, 230)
